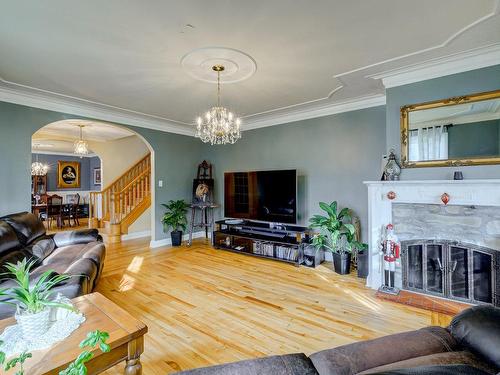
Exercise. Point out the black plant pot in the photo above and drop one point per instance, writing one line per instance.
(363, 264)
(342, 263)
(176, 236)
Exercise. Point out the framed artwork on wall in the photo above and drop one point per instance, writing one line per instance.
(203, 190)
(97, 176)
(68, 174)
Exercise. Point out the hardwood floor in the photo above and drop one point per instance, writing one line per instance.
(206, 306)
(84, 224)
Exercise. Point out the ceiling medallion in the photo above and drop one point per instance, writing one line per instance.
(81, 147)
(238, 66)
(218, 126)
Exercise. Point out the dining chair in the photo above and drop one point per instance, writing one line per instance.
(54, 210)
(40, 208)
(73, 207)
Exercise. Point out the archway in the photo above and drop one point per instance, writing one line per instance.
(119, 148)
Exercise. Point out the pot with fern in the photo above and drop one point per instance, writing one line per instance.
(175, 219)
(32, 299)
(335, 233)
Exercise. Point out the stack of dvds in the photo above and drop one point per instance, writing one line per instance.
(287, 253)
(263, 248)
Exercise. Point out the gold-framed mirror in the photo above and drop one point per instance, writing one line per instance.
(456, 131)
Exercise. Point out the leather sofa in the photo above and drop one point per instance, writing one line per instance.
(77, 253)
(469, 345)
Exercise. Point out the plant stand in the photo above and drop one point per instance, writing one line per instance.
(206, 220)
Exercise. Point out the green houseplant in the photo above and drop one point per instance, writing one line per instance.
(176, 219)
(32, 299)
(336, 234)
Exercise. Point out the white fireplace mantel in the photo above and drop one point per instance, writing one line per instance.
(464, 192)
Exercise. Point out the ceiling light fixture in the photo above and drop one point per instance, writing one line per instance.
(81, 148)
(218, 126)
(37, 168)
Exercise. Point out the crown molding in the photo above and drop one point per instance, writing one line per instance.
(309, 112)
(37, 98)
(477, 58)
(33, 97)
(39, 152)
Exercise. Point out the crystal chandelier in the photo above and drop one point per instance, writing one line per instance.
(81, 147)
(39, 169)
(218, 126)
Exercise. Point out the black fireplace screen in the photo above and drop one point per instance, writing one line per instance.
(450, 269)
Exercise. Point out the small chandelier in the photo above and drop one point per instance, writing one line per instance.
(80, 147)
(218, 126)
(39, 169)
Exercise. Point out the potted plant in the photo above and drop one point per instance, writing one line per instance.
(175, 218)
(336, 234)
(362, 258)
(32, 299)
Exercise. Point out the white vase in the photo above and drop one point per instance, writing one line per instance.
(34, 325)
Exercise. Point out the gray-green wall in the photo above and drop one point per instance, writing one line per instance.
(176, 158)
(333, 155)
(474, 139)
(87, 166)
(474, 81)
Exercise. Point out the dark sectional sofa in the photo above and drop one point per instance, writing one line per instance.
(470, 345)
(78, 253)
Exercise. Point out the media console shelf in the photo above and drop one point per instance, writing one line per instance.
(282, 242)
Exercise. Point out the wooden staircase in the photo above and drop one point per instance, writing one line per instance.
(117, 206)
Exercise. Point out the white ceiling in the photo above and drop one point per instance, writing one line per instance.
(127, 55)
(92, 131)
(59, 137)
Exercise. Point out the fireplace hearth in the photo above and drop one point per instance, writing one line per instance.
(451, 269)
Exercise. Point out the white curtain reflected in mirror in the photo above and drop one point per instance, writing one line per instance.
(429, 143)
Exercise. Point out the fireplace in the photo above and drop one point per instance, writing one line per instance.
(450, 269)
(451, 250)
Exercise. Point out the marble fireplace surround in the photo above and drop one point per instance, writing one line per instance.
(464, 196)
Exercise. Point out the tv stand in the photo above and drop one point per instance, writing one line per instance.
(282, 242)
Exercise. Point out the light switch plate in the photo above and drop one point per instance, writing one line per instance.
(160, 183)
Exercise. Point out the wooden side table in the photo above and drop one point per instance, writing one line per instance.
(126, 338)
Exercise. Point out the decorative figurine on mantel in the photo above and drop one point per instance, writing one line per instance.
(392, 169)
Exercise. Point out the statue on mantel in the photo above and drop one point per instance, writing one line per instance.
(392, 169)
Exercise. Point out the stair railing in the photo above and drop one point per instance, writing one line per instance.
(103, 204)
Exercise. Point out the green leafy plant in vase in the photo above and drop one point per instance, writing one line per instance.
(32, 299)
(175, 218)
(336, 234)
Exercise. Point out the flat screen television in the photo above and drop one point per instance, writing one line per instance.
(261, 195)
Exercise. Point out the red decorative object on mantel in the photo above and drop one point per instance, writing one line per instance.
(391, 195)
(445, 198)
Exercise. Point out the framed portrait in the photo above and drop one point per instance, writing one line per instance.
(97, 176)
(203, 190)
(68, 174)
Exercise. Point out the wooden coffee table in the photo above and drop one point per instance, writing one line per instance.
(126, 338)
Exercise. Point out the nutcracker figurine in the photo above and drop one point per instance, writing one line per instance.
(390, 253)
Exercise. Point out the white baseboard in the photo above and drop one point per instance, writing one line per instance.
(134, 235)
(168, 241)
